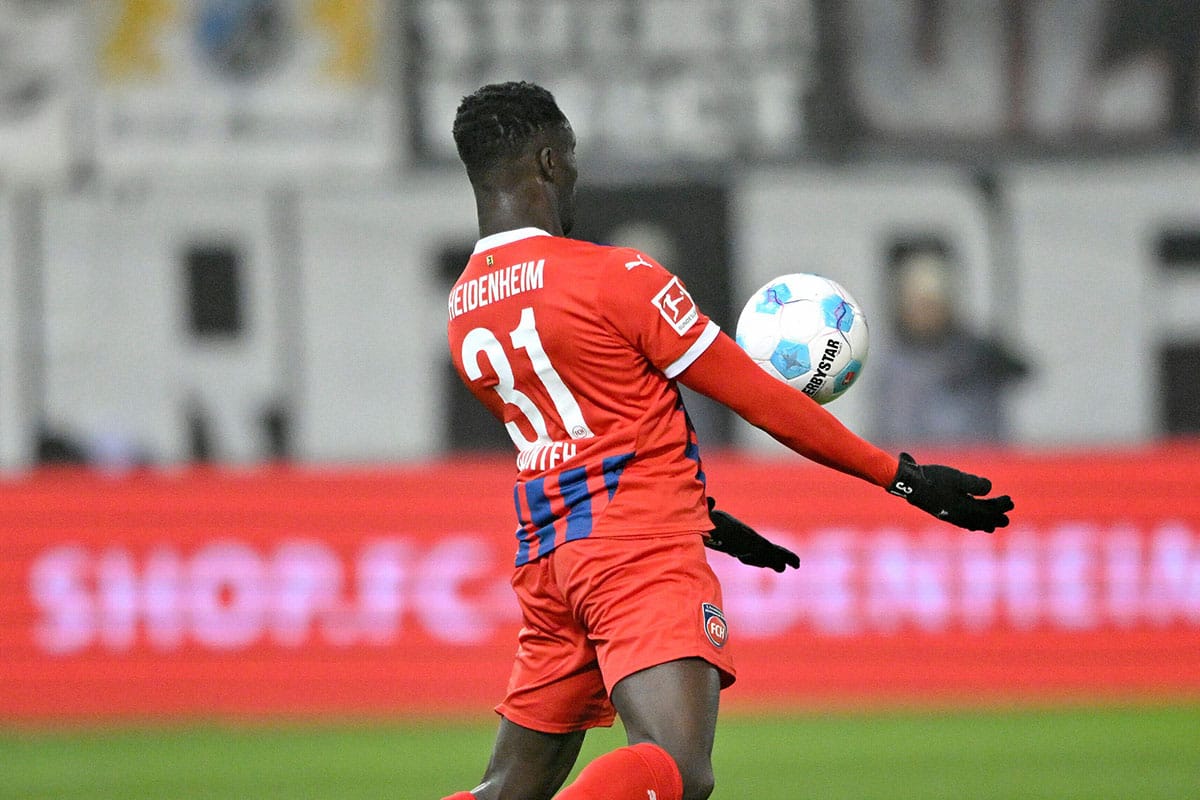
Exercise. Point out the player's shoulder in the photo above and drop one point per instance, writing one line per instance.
(621, 259)
(586, 247)
(583, 247)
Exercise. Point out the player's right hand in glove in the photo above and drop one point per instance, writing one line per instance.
(950, 495)
(731, 535)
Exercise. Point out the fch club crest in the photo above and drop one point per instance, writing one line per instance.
(715, 627)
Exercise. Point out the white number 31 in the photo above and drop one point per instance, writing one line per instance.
(525, 337)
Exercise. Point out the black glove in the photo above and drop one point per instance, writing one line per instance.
(948, 494)
(731, 535)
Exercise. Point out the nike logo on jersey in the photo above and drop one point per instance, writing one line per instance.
(641, 262)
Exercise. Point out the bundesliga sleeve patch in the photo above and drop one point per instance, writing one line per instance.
(676, 306)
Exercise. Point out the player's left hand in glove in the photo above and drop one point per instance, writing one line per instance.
(950, 495)
(731, 535)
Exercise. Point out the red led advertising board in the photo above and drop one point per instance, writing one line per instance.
(297, 591)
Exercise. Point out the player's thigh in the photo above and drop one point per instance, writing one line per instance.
(528, 764)
(674, 705)
(646, 602)
(556, 685)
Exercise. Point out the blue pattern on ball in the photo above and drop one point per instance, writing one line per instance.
(772, 299)
(791, 359)
(838, 313)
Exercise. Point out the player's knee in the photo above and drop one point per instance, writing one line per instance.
(698, 788)
(698, 781)
(694, 764)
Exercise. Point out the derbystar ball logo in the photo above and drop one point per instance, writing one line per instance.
(714, 624)
(676, 306)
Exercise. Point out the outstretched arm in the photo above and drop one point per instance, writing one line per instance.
(726, 374)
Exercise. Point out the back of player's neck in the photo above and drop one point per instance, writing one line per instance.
(507, 213)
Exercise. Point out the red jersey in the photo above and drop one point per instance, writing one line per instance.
(574, 347)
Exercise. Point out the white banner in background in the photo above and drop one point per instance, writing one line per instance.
(40, 83)
(293, 86)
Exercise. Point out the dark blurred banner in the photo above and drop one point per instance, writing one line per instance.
(293, 87)
(991, 77)
(649, 82)
(386, 592)
(758, 80)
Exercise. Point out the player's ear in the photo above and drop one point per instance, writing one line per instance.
(547, 160)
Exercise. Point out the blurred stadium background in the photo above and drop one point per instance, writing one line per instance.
(253, 536)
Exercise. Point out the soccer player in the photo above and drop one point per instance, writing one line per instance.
(577, 349)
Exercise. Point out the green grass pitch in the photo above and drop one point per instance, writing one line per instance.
(1095, 753)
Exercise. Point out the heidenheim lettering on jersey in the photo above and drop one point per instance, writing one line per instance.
(495, 286)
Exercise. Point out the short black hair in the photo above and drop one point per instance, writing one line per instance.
(500, 120)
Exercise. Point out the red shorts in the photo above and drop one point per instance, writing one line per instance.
(597, 610)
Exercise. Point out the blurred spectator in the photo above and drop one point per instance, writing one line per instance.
(938, 382)
(53, 446)
(109, 449)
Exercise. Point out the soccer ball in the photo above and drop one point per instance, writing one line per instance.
(807, 331)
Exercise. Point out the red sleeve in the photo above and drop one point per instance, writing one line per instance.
(726, 374)
(652, 310)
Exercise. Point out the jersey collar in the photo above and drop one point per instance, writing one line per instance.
(506, 237)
